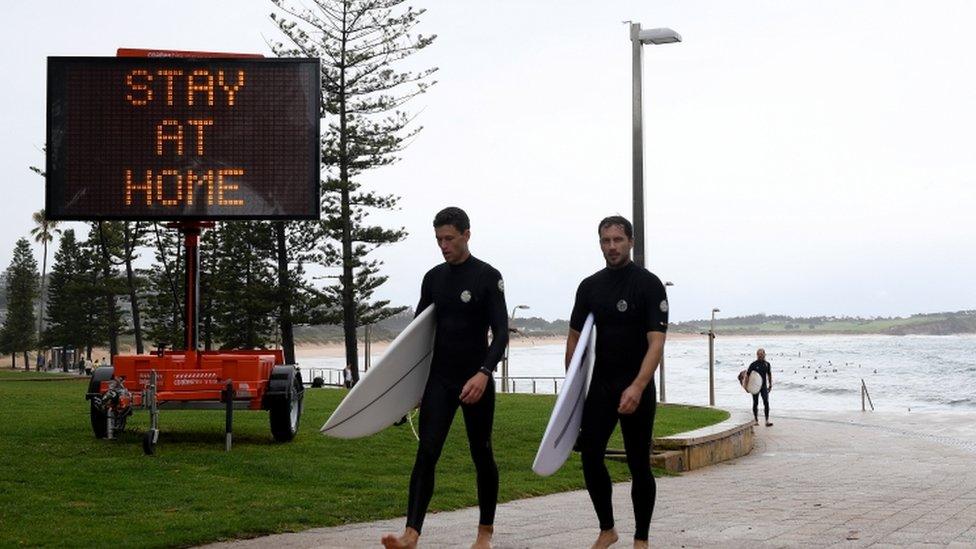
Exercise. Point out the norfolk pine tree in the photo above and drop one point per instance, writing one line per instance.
(294, 245)
(241, 283)
(22, 289)
(118, 242)
(68, 292)
(164, 293)
(133, 237)
(105, 283)
(359, 42)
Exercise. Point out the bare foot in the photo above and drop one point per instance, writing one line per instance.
(605, 539)
(641, 544)
(484, 537)
(407, 541)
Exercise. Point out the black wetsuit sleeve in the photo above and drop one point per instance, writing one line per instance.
(497, 319)
(657, 307)
(425, 297)
(580, 309)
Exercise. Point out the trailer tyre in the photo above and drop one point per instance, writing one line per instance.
(285, 402)
(99, 418)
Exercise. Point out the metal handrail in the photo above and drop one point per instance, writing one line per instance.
(334, 377)
(330, 376)
(535, 379)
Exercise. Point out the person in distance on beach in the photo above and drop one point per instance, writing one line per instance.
(630, 307)
(762, 367)
(469, 296)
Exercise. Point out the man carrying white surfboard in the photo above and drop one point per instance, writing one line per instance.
(469, 298)
(763, 368)
(630, 308)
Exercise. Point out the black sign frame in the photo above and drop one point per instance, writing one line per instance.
(56, 205)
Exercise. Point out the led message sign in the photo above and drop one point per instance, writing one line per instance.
(170, 139)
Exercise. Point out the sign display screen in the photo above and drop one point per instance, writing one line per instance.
(170, 139)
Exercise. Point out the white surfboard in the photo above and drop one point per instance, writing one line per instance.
(392, 387)
(564, 423)
(754, 383)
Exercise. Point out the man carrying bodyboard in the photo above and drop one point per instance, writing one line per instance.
(469, 298)
(630, 308)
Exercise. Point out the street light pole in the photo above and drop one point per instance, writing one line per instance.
(663, 398)
(505, 358)
(638, 38)
(638, 141)
(711, 359)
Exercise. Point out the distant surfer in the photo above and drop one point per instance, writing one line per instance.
(761, 367)
(469, 296)
(631, 310)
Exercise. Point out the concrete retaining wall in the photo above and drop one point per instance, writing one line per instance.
(723, 441)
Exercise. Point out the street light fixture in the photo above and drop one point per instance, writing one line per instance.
(662, 35)
(638, 38)
(505, 359)
(663, 398)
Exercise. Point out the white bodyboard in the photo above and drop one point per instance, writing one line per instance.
(392, 387)
(564, 423)
(754, 383)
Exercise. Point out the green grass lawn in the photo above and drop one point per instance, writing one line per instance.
(61, 486)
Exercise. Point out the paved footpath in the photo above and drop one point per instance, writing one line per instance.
(813, 479)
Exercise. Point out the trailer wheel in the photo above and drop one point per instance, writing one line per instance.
(99, 418)
(285, 402)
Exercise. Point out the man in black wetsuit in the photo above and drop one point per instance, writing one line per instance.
(630, 308)
(469, 297)
(762, 367)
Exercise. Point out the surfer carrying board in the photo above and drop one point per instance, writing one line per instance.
(630, 308)
(469, 298)
(761, 367)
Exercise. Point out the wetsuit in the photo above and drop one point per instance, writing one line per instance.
(627, 303)
(762, 367)
(469, 299)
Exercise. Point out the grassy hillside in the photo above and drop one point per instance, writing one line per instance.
(961, 322)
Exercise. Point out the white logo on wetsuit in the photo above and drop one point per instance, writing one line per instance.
(465, 296)
(622, 305)
(501, 285)
(664, 306)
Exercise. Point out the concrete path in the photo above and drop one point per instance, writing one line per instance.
(813, 479)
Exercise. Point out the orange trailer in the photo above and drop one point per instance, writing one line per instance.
(250, 380)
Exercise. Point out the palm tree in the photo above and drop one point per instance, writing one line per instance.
(43, 233)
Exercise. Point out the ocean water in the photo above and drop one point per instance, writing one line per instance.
(825, 372)
(809, 373)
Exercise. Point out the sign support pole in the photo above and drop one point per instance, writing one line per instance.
(191, 291)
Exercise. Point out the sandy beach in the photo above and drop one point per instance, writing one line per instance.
(335, 350)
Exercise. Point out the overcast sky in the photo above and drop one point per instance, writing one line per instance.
(802, 158)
